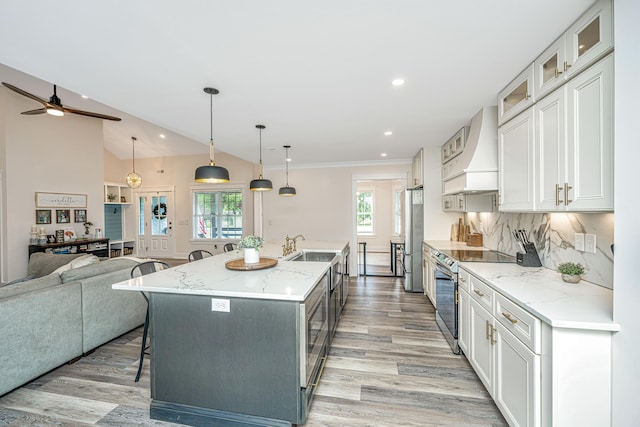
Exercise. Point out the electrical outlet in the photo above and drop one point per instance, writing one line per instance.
(579, 242)
(590, 243)
(218, 304)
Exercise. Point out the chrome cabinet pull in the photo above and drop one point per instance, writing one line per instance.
(509, 318)
(567, 187)
(480, 293)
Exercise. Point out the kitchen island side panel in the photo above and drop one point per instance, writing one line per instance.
(243, 361)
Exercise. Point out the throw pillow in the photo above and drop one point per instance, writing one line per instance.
(77, 262)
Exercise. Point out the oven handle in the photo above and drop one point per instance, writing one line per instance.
(444, 269)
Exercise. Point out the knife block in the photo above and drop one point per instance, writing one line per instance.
(530, 257)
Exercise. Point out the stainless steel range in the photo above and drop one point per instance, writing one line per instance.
(446, 277)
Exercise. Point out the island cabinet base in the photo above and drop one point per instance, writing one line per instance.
(236, 367)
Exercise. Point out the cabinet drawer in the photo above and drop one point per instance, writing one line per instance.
(519, 322)
(464, 280)
(482, 293)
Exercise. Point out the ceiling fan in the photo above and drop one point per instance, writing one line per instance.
(55, 107)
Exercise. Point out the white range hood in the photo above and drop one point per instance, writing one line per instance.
(476, 168)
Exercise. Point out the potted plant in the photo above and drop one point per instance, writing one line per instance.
(251, 245)
(111, 197)
(571, 271)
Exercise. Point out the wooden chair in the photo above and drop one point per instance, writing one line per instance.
(199, 254)
(137, 271)
(228, 247)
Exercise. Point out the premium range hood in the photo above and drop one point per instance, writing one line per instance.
(476, 168)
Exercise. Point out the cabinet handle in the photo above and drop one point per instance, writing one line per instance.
(557, 72)
(463, 280)
(526, 96)
(509, 318)
(480, 293)
(567, 187)
(457, 299)
(493, 330)
(566, 66)
(487, 328)
(315, 385)
(558, 190)
(460, 204)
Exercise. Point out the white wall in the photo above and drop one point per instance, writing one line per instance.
(383, 205)
(626, 343)
(179, 172)
(44, 154)
(437, 224)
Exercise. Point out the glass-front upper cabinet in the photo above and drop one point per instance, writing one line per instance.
(586, 41)
(517, 96)
(589, 38)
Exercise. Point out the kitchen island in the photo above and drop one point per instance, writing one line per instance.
(235, 347)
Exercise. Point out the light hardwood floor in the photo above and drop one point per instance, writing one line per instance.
(389, 366)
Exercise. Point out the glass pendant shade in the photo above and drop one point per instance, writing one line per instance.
(287, 191)
(211, 173)
(261, 184)
(133, 179)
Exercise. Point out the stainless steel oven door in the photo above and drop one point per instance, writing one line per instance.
(447, 304)
(313, 340)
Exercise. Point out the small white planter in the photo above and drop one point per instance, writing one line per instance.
(251, 256)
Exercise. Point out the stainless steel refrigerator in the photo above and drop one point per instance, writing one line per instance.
(413, 237)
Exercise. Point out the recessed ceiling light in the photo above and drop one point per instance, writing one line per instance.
(387, 133)
(383, 155)
(398, 82)
(84, 96)
(162, 135)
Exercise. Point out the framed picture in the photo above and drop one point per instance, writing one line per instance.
(63, 216)
(59, 236)
(43, 216)
(61, 200)
(69, 234)
(51, 238)
(80, 215)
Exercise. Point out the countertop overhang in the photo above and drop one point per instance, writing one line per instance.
(288, 280)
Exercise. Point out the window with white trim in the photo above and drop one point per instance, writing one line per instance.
(217, 214)
(364, 212)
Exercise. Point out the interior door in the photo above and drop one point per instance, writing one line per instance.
(155, 224)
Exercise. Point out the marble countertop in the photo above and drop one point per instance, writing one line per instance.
(448, 245)
(543, 293)
(288, 280)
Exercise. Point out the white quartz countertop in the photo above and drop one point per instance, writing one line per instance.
(543, 293)
(288, 280)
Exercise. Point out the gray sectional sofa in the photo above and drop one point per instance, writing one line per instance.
(55, 317)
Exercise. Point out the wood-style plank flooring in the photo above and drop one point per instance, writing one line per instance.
(389, 366)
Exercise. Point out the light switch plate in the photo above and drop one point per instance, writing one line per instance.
(218, 304)
(579, 242)
(590, 243)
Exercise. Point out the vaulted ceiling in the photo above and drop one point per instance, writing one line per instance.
(317, 74)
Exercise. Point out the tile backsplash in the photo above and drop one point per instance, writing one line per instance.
(553, 235)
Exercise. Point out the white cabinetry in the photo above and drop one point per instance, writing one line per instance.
(585, 42)
(517, 96)
(468, 202)
(463, 311)
(428, 274)
(455, 145)
(417, 171)
(516, 163)
(574, 143)
(119, 224)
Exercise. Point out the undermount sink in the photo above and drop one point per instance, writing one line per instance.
(315, 256)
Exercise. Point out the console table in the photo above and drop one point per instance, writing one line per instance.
(97, 247)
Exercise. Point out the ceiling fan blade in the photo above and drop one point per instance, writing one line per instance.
(33, 112)
(90, 114)
(23, 93)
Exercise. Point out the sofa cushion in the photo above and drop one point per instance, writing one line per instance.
(81, 261)
(20, 280)
(101, 267)
(30, 285)
(41, 264)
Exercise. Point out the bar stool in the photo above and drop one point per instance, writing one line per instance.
(199, 254)
(228, 247)
(137, 271)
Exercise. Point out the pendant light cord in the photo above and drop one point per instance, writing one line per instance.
(211, 151)
(286, 163)
(260, 153)
(133, 153)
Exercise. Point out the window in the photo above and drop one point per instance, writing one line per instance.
(217, 214)
(364, 213)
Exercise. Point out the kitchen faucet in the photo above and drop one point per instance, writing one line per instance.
(290, 245)
(295, 239)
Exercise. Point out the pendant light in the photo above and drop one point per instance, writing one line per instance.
(286, 190)
(133, 179)
(211, 173)
(261, 184)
